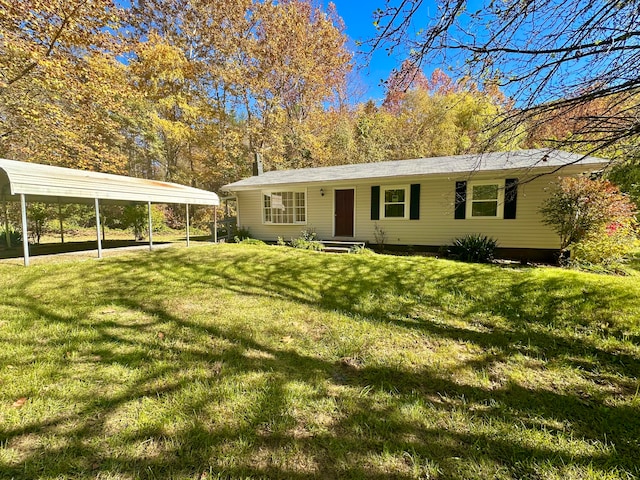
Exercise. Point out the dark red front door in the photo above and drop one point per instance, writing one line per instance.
(344, 213)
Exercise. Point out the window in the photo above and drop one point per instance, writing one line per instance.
(485, 200)
(395, 202)
(284, 207)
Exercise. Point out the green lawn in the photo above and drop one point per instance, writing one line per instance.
(235, 361)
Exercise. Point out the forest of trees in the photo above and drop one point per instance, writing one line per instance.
(188, 90)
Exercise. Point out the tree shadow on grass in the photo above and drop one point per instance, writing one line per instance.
(36, 250)
(267, 440)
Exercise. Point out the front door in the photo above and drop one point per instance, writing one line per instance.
(344, 202)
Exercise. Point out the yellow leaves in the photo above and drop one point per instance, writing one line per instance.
(223, 78)
(161, 66)
(60, 89)
(302, 56)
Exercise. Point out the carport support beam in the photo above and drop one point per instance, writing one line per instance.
(61, 222)
(25, 230)
(215, 224)
(7, 234)
(98, 228)
(150, 227)
(187, 224)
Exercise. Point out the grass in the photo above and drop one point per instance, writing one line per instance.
(239, 361)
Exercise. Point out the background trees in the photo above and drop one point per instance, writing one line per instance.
(177, 90)
(187, 91)
(559, 60)
(60, 87)
(230, 78)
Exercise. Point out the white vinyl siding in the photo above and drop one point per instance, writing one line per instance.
(436, 225)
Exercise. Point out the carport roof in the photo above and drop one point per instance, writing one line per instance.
(47, 183)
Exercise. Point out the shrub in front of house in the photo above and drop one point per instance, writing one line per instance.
(242, 234)
(474, 248)
(361, 250)
(606, 246)
(595, 222)
(250, 241)
(308, 240)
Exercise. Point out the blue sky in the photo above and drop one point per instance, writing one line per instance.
(373, 70)
(358, 19)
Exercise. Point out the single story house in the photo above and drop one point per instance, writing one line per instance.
(424, 203)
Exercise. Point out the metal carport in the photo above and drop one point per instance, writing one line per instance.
(45, 183)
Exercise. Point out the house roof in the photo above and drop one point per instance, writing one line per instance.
(47, 183)
(524, 160)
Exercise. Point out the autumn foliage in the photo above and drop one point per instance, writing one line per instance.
(592, 218)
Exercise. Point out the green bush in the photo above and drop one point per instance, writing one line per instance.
(14, 235)
(474, 248)
(242, 234)
(136, 217)
(627, 178)
(38, 213)
(308, 240)
(306, 244)
(360, 250)
(607, 246)
(249, 241)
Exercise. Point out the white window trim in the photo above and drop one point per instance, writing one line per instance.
(407, 201)
(469, 201)
(287, 190)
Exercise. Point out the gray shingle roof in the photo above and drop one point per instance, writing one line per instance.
(520, 159)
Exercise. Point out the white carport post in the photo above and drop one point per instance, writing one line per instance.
(98, 228)
(215, 224)
(60, 220)
(150, 226)
(25, 231)
(5, 208)
(187, 224)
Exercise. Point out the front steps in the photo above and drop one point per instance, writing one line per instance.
(337, 246)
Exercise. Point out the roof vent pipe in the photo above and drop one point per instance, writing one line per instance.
(257, 165)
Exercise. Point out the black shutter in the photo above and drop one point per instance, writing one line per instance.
(461, 200)
(510, 198)
(375, 203)
(414, 206)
